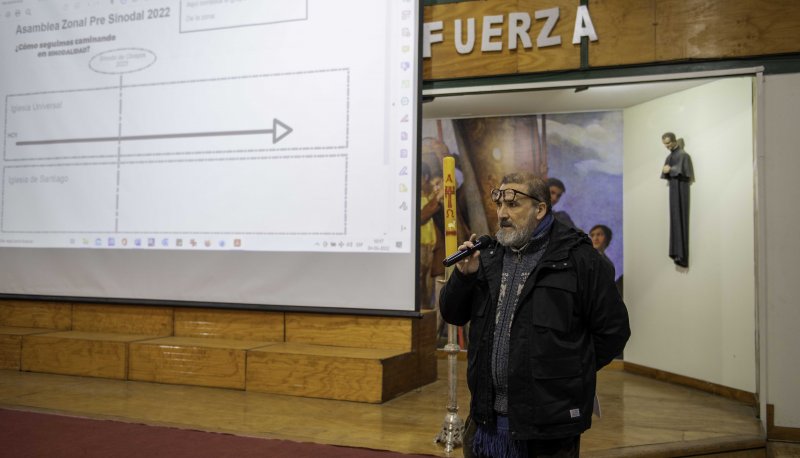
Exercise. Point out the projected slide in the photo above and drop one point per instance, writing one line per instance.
(208, 125)
(158, 123)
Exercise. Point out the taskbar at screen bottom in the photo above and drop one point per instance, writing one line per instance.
(401, 243)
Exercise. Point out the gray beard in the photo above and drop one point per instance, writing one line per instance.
(517, 237)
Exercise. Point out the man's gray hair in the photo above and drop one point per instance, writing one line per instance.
(536, 186)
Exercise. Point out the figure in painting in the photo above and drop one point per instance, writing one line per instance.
(601, 237)
(557, 189)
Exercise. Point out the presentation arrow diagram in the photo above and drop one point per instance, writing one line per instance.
(279, 131)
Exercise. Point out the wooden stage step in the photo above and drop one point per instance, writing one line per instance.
(343, 373)
(11, 345)
(356, 358)
(97, 345)
(90, 354)
(22, 318)
(199, 361)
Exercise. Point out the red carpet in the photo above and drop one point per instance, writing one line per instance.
(27, 434)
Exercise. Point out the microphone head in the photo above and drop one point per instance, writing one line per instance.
(479, 244)
(484, 240)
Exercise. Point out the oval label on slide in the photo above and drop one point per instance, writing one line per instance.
(125, 60)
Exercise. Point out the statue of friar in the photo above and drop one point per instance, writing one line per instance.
(679, 174)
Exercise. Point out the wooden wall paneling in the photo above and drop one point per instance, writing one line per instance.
(566, 56)
(702, 29)
(626, 32)
(229, 324)
(350, 331)
(446, 62)
(124, 319)
(36, 314)
(709, 387)
(780, 433)
(629, 32)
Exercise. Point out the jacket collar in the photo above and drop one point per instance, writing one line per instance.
(562, 240)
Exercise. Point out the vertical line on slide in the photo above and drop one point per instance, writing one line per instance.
(119, 156)
(347, 109)
(3, 188)
(347, 145)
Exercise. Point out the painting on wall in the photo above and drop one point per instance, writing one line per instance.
(583, 150)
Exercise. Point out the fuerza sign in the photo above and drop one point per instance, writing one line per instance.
(520, 31)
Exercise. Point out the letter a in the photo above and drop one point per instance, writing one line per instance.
(583, 26)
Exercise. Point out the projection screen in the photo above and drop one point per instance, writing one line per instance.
(257, 153)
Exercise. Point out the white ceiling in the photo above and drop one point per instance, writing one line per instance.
(566, 100)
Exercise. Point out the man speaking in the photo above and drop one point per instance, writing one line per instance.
(544, 316)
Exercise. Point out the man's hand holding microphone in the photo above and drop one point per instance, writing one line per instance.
(466, 258)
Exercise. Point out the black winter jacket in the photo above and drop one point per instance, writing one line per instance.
(570, 321)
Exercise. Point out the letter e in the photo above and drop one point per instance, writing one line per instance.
(489, 33)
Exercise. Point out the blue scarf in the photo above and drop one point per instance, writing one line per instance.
(498, 443)
(544, 226)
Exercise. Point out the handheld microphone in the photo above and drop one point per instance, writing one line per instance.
(482, 242)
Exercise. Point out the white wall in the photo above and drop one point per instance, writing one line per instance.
(698, 322)
(782, 194)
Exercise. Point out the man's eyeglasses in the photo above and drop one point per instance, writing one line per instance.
(508, 195)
